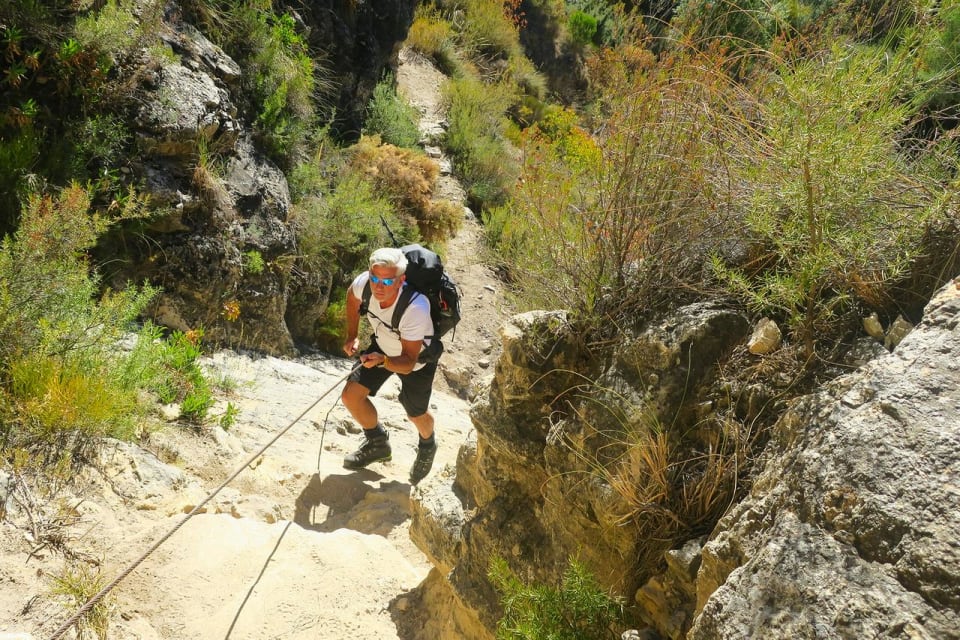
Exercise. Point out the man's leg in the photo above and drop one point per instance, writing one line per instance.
(356, 398)
(415, 390)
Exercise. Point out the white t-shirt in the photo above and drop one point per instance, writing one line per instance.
(415, 323)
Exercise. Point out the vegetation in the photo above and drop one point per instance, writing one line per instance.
(578, 609)
(395, 121)
(64, 382)
(797, 159)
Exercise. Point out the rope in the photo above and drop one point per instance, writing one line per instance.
(104, 591)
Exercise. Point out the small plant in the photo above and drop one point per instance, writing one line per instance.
(253, 262)
(583, 28)
(391, 117)
(579, 609)
(78, 583)
(229, 417)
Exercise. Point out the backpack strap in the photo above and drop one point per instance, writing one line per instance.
(407, 294)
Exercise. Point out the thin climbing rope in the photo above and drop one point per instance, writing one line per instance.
(99, 596)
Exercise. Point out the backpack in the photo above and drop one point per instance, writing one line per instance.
(425, 276)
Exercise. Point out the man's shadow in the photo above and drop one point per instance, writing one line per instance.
(341, 494)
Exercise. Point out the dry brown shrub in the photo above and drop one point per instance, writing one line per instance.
(407, 178)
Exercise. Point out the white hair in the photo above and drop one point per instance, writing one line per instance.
(388, 257)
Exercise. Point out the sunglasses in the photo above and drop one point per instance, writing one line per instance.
(387, 282)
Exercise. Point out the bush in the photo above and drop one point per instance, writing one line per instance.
(608, 226)
(429, 34)
(405, 177)
(63, 379)
(583, 28)
(578, 610)
(486, 32)
(482, 157)
(838, 207)
(388, 115)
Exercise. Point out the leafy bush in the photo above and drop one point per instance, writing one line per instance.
(608, 226)
(65, 382)
(388, 115)
(485, 31)
(839, 208)
(429, 34)
(475, 139)
(338, 231)
(583, 28)
(578, 610)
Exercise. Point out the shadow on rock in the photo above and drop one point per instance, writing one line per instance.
(349, 501)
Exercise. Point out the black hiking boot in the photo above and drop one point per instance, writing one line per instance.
(376, 449)
(423, 463)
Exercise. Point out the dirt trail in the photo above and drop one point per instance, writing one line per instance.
(296, 547)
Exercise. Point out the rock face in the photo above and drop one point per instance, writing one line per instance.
(527, 490)
(221, 246)
(848, 532)
(851, 529)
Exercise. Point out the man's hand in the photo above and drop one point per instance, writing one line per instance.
(350, 346)
(371, 360)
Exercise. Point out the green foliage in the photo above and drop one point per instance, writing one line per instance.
(941, 62)
(583, 28)
(391, 117)
(606, 226)
(114, 26)
(253, 262)
(337, 231)
(839, 208)
(432, 35)
(80, 582)
(485, 31)
(475, 139)
(229, 417)
(283, 77)
(65, 382)
(578, 610)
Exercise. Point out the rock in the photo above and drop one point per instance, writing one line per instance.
(848, 524)
(897, 332)
(765, 338)
(871, 324)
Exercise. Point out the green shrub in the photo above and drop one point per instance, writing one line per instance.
(578, 610)
(338, 231)
(404, 176)
(64, 379)
(430, 33)
(606, 226)
(583, 28)
(253, 262)
(486, 32)
(838, 206)
(481, 155)
(391, 117)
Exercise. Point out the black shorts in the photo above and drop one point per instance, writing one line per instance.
(415, 387)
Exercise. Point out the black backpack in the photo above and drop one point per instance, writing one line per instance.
(425, 276)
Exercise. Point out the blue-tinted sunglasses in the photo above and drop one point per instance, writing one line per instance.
(387, 282)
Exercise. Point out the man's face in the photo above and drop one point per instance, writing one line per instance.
(385, 293)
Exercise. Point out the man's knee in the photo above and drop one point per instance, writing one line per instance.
(353, 393)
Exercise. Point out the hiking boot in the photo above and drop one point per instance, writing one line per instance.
(371, 450)
(423, 463)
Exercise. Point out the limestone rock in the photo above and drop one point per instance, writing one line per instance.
(848, 531)
(871, 324)
(766, 337)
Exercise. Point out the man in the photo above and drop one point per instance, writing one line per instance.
(390, 352)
